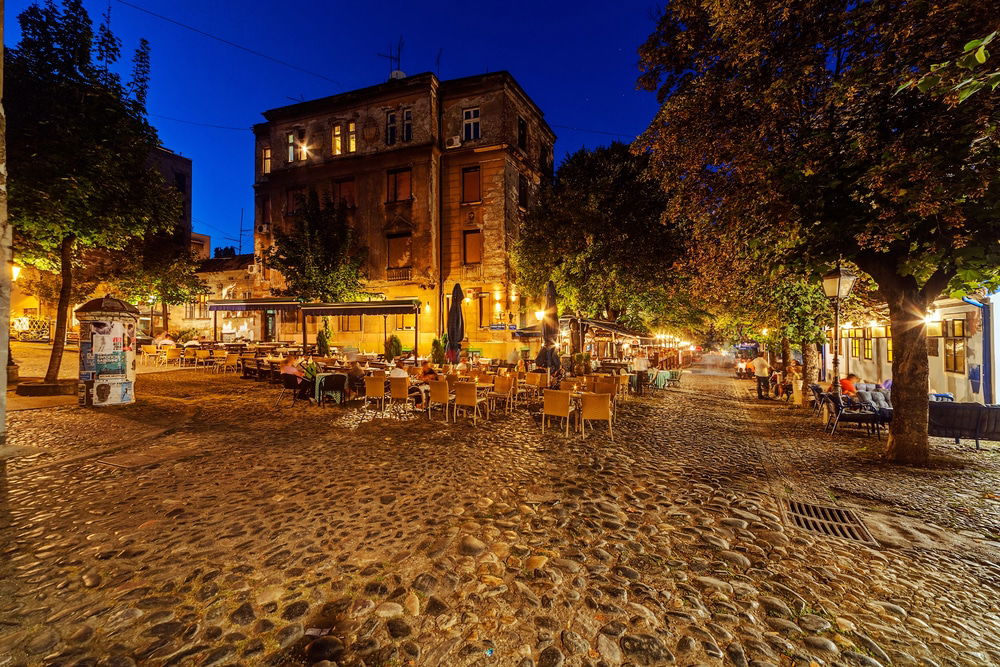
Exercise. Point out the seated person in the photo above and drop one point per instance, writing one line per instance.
(290, 366)
(427, 372)
(399, 370)
(848, 385)
(463, 364)
(355, 378)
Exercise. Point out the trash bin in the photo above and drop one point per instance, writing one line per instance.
(107, 352)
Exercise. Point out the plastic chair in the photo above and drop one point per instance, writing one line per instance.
(289, 382)
(332, 385)
(399, 393)
(596, 406)
(467, 397)
(375, 391)
(502, 392)
(172, 355)
(440, 395)
(556, 404)
(149, 353)
(202, 358)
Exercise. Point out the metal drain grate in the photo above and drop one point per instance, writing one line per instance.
(829, 521)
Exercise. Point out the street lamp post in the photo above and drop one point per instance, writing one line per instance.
(837, 285)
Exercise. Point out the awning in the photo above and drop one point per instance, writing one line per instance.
(610, 327)
(397, 307)
(239, 305)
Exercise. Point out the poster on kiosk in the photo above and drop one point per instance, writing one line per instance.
(107, 352)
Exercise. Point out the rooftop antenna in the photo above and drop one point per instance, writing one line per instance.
(395, 60)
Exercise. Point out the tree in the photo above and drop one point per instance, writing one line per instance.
(157, 270)
(79, 146)
(225, 251)
(781, 135)
(597, 234)
(320, 257)
(949, 80)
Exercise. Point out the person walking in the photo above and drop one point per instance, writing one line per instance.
(762, 370)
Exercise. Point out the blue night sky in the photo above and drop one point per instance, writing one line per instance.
(577, 60)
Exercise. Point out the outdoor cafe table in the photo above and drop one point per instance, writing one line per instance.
(660, 381)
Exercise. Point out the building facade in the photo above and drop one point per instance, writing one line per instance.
(962, 348)
(226, 278)
(434, 176)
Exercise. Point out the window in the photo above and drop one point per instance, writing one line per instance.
(291, 147)
(398, 185)
(349, 322)
(407, 321)
(265, 160)
(522, 133)
(407, 125)
(390, 128)
(265, 209)
(343, 193)
(485, 314)
(398, 250)
(352, 137)
(470, 123)
(471, 187)
(288, 317)
(954, 346)
(855, 347)
(522, 191)
(472, 246)
(868, 348)
(954, 355)
(888, 350)
(338, 139)
(295, 200)
(197, 309)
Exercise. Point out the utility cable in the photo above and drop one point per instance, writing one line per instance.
(228, 42)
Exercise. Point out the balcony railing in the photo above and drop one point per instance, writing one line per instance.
(472, 271)
(398, 273)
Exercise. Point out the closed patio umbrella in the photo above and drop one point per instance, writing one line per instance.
(548, 356)
(456, 325)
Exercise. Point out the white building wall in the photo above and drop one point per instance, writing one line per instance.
(878, 369)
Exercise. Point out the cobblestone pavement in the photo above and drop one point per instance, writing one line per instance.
(416, 542)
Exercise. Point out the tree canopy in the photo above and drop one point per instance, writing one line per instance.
(320, 258)
(783, 141)
(598, 234)
(79, 146)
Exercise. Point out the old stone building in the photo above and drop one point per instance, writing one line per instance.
(434, 176)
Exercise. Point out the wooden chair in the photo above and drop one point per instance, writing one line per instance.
(399, 394)
(556, 404)
(375, 391)
(467, 397)
(596, 406)
(608, 388)
(440, 395)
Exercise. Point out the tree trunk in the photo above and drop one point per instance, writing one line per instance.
(810, 370)
(62, 310)
(908, 431)
(786, 352)
(164, 309)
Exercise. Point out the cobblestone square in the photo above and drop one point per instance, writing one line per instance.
(304, 534)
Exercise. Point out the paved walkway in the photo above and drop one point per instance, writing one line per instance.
(245, 532)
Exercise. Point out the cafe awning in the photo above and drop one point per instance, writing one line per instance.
(397, 307)
(241, 305)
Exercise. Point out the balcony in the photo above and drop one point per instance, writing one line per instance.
(472, 271)
(398, 273)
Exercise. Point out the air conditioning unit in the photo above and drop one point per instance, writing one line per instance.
(264, 228)
(252, 269)
(453, 142)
